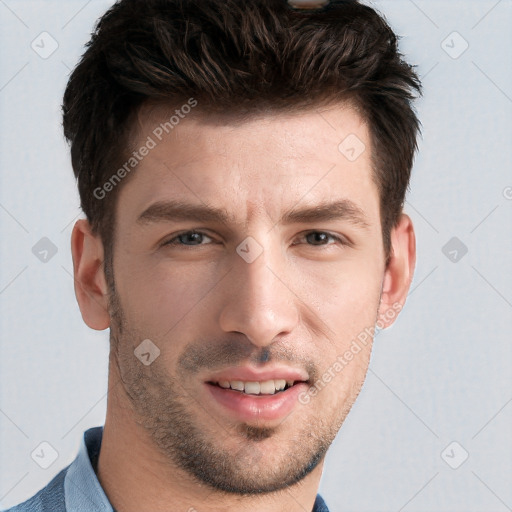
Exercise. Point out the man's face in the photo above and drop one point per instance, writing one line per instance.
(262, 295)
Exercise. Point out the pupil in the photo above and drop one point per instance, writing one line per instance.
(192, 237)
(319, 237)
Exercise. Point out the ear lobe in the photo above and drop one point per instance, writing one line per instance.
(91, 288)
(399, 271)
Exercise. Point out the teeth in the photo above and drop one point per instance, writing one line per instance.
(267, 387)
(280, 384)
(253, 388)
(237, 384)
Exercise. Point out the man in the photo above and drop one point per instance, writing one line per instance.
(242, 167)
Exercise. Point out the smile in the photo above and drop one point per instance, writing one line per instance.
(267, 387)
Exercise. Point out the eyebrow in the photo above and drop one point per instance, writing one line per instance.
(341, 209)
(168, 211)
(178, 210)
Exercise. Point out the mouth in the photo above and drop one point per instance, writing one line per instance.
(264, 401)
(256, 388)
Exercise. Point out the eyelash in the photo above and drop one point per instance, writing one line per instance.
(175, 240)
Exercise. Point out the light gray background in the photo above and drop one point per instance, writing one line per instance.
(442, 373)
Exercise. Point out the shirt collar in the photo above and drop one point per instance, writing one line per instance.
(82, 488)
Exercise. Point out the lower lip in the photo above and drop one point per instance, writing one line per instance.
(257, 407)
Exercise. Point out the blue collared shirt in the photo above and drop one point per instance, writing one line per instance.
(77, 489)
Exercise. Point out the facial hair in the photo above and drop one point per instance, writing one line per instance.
(164, 407)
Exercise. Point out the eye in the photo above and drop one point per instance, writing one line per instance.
(322, 238)
(194, 237)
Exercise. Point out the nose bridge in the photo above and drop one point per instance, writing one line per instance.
(259, 304)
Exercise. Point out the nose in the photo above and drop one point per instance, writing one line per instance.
(259, 301)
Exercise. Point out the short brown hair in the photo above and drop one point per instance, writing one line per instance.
(238, 56)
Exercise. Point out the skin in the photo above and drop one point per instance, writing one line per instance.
(299, 304)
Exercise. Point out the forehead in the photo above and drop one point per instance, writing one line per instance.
(252, 167)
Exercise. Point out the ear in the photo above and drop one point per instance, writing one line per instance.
(91, 288)
(399, 271)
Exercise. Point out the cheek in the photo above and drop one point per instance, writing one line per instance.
(157, 297)
(348, 304)
(345, 295)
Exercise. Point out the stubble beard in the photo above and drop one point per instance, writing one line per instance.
(162, 406)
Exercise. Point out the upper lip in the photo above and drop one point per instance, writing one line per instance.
(248, 374)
